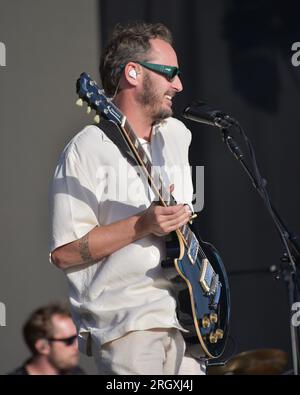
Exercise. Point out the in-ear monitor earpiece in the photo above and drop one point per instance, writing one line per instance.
(132, 74)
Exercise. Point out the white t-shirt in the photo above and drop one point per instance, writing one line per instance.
(94, 185)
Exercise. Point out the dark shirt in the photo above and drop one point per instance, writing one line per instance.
(21, 371)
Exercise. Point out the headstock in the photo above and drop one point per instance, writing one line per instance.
(89, 92)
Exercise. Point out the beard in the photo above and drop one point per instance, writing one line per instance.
(152, 102)
(63, 363)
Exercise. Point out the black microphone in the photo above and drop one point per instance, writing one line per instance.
(198, 111)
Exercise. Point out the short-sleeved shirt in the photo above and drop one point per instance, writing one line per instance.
(94, 185)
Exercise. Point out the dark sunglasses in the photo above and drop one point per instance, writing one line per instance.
(68, 341)
(170, 72)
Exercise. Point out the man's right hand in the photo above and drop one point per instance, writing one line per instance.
(160, 220)
(104, 240)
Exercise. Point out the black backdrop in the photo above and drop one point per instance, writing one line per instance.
(237, 57)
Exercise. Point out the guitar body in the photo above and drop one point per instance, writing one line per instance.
(201, 313)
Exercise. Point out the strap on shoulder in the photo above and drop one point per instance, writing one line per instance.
(113, 132)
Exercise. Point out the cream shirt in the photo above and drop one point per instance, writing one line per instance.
(94, 186)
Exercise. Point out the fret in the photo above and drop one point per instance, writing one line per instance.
(138, 146)
(140, 151)
(152, 175)
(145, 158)
(149, 167)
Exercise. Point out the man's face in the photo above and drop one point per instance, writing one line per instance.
(63, 356)
(157, 92)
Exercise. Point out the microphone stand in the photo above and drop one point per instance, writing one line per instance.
(288, 269)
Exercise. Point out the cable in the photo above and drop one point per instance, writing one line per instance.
(261, 186)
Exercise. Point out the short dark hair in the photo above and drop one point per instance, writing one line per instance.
(129, 42)
(39, 324)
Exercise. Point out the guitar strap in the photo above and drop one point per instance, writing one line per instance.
(112, 131)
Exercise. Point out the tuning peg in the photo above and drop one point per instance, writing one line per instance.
(89, 109)
(79, 102)
(192, 218)
(97, 119)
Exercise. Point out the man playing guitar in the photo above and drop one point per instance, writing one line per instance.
(108, 230)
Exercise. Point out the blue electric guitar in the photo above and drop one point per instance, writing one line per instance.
(193, 266)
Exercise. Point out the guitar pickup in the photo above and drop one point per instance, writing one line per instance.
(193, 249)
(207, 275)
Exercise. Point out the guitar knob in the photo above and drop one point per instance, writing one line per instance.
(192, 218)
(213, 318)
(213, 338)
(219, 333)
(79, 102)
(206, 322)
(88, 110)
(97, 119)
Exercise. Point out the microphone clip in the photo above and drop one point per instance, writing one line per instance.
(199, 111)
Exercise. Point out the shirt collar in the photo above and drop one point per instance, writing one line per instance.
(155, 130)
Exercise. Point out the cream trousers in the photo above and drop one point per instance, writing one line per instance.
(150, 352)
